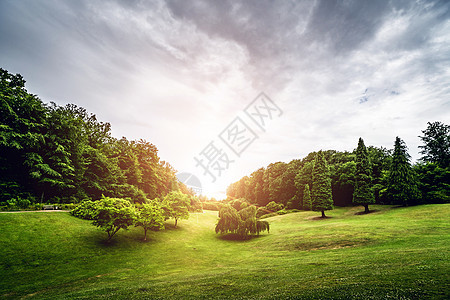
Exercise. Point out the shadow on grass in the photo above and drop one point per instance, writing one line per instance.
(237, 238)
(319, 218)
(366, 213)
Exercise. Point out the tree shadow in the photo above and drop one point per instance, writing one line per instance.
(237, 238)
(359, 213)
(319, 218)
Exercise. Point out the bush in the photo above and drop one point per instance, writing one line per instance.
(86, 210)
(68, 206)
(273, 206)
(37, 206)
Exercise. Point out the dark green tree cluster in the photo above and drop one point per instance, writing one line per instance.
(365, 176)
(56, 154)
(113, 214)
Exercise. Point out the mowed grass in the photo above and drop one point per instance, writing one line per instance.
(395, 253)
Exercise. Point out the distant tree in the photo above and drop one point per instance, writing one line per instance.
(306, 198)
(343, 182)
(437, 144)
(321, 187)
(176, 206)
(150, 216)
(402, 184)
(304, 176)
(113, 214)
(363, 193)
(434, 182)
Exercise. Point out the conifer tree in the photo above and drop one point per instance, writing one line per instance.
(322, 199)
(306, 198)
(363, 193)
(402, 184)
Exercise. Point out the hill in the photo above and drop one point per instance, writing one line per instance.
(399, 253)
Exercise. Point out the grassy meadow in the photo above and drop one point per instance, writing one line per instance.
(398, 253)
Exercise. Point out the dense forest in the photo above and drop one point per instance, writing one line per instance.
(63, 154)
(366, 175)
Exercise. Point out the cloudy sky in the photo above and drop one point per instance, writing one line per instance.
(178, 73)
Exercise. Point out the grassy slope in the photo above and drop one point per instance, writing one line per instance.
(392, 253)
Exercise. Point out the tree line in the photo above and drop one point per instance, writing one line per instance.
(365, 176)
(63, 154)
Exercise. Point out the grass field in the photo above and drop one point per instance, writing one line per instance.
(395, 253)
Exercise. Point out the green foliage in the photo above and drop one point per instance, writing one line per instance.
(402, 184)
(436, 148)
(273, 206)
(176, 205)
(243, 223)
(212, 205)
(307, 203)
(63, 154)
(363, 193)
(113, 214)
(86, 210)
(195, 205)
(321, 188)
(150, 216)
(434, 183)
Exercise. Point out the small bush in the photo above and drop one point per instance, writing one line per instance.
(23, 203)
(282, 211)
(273, 206)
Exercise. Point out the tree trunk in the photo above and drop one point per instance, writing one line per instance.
(323, 214)
(145, 234)
(176, 221)
(366, 208)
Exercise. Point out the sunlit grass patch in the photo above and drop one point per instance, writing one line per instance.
(394, 252)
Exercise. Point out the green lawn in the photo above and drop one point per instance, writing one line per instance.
(399, 253)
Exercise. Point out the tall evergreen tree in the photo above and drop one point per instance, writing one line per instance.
(306, 198)
(322, 199)
(363, 193)
(402, 184)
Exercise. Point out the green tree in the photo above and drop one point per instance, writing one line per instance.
(306, 198)
(363, 193)
(434, 182)
(176, 206)
(322, 199)
(304, 176)
(402, 184)
(243, 223)
(150, 216)
(113, 214)
(437, 144)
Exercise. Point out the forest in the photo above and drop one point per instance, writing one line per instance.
(367, 175)
(63, 154)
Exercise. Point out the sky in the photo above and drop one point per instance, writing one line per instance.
(223, 88)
